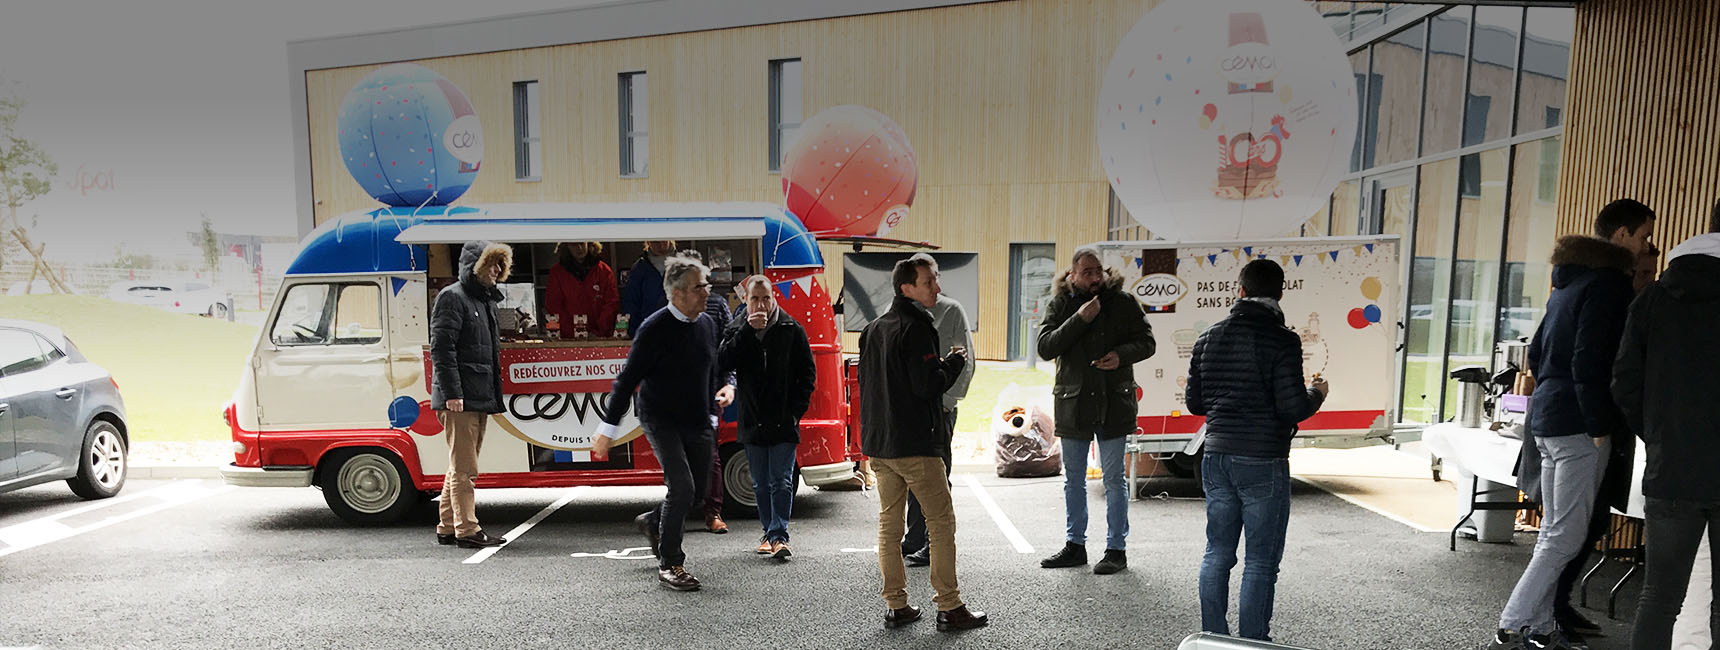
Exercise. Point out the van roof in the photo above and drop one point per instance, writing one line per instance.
(388, 240)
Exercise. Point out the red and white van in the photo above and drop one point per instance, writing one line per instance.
(335, 393)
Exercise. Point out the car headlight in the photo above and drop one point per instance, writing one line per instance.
(239, 448)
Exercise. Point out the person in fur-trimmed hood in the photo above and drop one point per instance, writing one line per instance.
(1096, 332)
(466, 382)
(1572, 416)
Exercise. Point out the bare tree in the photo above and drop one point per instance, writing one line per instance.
(26, 173)
(211, 245)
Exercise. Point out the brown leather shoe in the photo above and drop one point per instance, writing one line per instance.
(480, 540)
(780, 550)
(678, 579)
(714, 523)
(764, 547)
(961, 619)
(898, 617)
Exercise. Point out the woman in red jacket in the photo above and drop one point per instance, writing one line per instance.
(582, 284)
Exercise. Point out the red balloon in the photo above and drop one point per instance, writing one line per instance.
(851, 171)
(427, 424)
(1358, 318)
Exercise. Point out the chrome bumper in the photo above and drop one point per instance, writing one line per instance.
(827, 474)
(266, 476)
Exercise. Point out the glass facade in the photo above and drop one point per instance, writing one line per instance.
(1457, 150)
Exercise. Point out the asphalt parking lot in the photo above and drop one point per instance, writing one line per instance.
(197, 564)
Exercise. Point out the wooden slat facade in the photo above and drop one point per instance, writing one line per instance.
(1644, 118)
(996, 98)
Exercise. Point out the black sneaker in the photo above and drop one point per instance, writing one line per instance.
(1072, 555)
(1554, 641)
(1505, 640)
(1113, 562)
(922, 557)
(1573, 621)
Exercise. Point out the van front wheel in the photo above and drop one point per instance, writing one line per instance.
(366, 487)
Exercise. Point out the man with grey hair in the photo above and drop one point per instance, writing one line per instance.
(951, 322)
(673, 365)
(1096, 333)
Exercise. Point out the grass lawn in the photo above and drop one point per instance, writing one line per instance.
(989, 379)
(175, 371)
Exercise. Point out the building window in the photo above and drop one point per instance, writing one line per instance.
(1547, 179)
(635, 125)
(785, 113)
(528, 139)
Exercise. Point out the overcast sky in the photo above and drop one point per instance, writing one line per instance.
(158, 111)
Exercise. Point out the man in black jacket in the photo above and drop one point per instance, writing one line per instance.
(1246, 378)
(1571, 411)
(772, 360)
(1097, 333)
(1665, 380)
(902, 381)
(673, 365)
(466, 384)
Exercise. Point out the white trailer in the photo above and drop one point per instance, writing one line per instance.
(1341, 296)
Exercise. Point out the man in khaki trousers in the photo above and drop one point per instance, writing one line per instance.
(466, 382)
(902, 382)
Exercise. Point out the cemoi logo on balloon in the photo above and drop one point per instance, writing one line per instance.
(465, 139)
(1159, 289)
(1226, 119)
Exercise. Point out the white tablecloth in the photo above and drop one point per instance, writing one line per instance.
(1494, 457)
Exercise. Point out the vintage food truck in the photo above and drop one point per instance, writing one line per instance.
(336, 394)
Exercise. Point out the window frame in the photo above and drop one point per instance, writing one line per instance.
(326, 323)
(528, 131)
(625, 88)
(777, 126)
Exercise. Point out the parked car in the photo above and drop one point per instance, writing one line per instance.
(61, 416)
(180, 297)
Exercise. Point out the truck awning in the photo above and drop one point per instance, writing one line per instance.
(548, 223)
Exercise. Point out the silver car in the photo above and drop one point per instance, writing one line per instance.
(61, 417)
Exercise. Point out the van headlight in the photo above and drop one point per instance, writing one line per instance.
(239, 448)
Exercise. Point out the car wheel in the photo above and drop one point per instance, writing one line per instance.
(738, 497)
(366, 487)
(102, 463)
(219, 311)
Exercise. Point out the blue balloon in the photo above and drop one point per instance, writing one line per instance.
(402, 412)
(410, 137)
(1372, 313)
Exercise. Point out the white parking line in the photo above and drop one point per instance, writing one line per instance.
(1009, 531)
(520, 530)
(47, 530)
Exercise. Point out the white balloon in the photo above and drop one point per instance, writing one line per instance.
(1226, 119)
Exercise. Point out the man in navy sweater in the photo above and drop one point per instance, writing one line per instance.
(673, 365)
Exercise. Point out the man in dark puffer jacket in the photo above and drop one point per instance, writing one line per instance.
(1246, 378)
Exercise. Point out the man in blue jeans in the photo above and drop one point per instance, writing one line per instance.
(1571, 411)
(1246, 378)
(1096, 332)
(772, 360)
